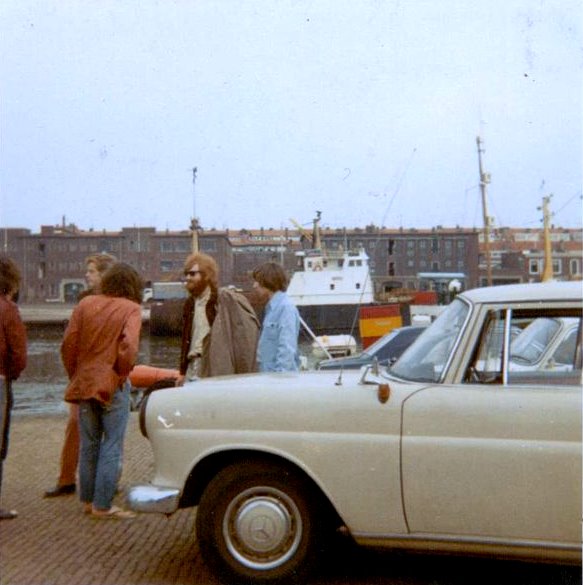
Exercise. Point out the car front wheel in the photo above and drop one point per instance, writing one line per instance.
(255, 524)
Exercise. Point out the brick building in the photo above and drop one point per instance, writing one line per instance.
(517, 255)
(53, 261)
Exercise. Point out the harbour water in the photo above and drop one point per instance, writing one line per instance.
(41, 386)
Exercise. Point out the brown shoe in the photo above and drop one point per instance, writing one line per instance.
(61, 490)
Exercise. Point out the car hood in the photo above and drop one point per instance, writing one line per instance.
(320, 401)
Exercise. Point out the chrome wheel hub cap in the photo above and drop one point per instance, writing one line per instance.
(262, 528)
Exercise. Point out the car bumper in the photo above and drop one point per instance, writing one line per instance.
(151, 498)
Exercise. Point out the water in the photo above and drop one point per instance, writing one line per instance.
(41, 387)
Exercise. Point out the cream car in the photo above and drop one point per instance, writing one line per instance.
(452, 450)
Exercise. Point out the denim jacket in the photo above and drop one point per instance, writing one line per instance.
(278, 343)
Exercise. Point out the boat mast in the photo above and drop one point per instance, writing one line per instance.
(548, 269)
(484, 180)
(194, 225)
(317, 239)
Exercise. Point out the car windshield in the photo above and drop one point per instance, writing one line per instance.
(425, 359)
(373, 349)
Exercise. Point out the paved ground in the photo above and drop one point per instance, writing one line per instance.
(53, 543)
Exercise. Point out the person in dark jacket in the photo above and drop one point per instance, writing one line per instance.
(12, 355)
(219, 328)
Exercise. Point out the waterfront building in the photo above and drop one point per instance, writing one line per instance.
(52, 261)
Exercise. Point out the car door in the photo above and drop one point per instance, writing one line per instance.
(496, 455)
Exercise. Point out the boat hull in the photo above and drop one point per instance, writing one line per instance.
(331, 319)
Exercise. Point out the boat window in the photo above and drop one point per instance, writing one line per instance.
(332, 286)
(358, 286)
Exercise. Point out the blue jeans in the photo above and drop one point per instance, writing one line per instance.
(102, 433)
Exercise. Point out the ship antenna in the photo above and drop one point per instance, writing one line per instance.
(194, 224)
(484, 180)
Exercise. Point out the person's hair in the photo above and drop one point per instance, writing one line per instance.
(207, 265)
(271, 276)
(9, 275)
(122, 280)
(102, 261)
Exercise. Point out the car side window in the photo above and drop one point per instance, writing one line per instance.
(486, 365)
(542, 348)
(565, 353)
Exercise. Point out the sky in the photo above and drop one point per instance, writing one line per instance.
(365, 110)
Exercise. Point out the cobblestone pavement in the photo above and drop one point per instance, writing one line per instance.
(53, 543)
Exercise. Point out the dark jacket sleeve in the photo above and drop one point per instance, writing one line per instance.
(186, 334)
(15, 342)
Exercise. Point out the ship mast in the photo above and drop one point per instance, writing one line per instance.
(484, 180)
(194, 225)
(317, 238)
(548, 269)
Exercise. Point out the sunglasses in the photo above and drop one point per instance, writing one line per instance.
(192, 272)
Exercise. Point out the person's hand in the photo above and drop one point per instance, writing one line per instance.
(179, 380)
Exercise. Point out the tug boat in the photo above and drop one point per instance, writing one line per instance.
(330, 287)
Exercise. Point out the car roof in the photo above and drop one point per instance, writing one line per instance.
(540, 291)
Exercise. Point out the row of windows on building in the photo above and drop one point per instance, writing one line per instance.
(77, 266)
(421, 244)
(181, 246)
(536, 266)
(427, 265)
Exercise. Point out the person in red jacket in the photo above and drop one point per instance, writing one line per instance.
(12, 354)
(99, 350)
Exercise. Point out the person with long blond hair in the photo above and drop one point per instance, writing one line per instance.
(95, 267)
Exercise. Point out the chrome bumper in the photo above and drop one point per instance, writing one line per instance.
(151, 498)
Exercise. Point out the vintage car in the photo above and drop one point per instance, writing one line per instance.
(386, 350)
(450, 450)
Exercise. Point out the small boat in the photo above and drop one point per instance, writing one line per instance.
(325, 346)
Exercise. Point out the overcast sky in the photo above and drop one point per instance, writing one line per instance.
(367, 110)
